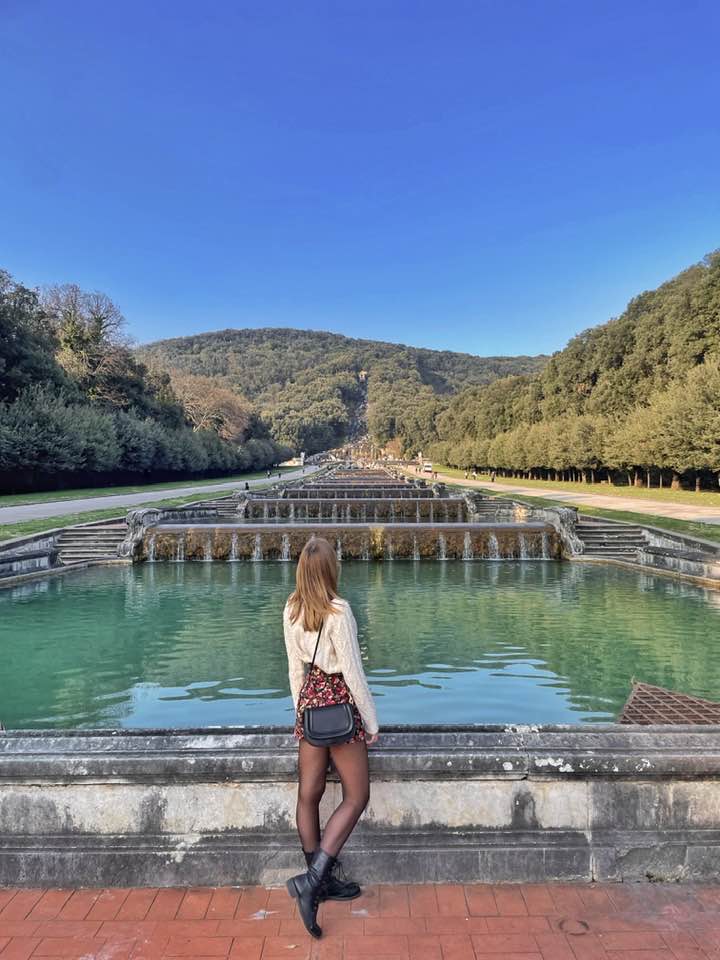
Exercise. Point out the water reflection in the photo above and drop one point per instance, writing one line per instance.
(201, 644)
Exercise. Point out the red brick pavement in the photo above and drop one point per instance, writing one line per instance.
(443, 922)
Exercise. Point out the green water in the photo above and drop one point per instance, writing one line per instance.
(196, 645)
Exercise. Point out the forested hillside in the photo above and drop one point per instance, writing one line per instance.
(635, 398)
(77, 407)
(313, 387)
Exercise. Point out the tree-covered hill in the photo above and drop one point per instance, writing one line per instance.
(637, 397)
(316, 388)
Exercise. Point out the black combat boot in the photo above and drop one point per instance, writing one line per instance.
(305, 887)
(334, 887)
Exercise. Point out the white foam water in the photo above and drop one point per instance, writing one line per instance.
(468, 547)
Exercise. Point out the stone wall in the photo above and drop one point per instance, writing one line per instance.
(465, 804)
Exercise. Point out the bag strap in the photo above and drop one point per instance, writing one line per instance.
(317, 642)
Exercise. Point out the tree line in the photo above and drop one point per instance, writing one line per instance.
(78, 407)
(635, 400)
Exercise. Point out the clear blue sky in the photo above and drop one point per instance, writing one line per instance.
(482, 176)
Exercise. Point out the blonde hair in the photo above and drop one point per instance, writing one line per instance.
(315, 584)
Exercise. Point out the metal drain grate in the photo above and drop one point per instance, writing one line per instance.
(650, 704)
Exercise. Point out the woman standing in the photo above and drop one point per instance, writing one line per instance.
(320, 630)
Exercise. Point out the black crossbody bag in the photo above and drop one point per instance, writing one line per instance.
(330, 725)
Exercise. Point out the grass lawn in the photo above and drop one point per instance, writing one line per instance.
(20, 499)
(10, 530)
(707, 497)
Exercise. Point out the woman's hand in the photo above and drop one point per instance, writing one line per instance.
(372, 739)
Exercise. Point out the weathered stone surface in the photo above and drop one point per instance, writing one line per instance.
(465, 804)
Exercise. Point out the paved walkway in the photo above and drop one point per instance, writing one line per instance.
(634, 921)
(659, 508)
(123, 501)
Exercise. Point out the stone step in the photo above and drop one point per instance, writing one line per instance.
(612, 538)
(75, 542)
(610, 552)
(90, 534)
(612, 545)
(72, 535)
(597, 528)
(95, 551)
(582, 529)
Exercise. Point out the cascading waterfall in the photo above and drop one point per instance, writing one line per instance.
(468, 547)
(442, 547)
(493, 547)
(545, 546)
(207, 549)
(257, 550)
(204, 538)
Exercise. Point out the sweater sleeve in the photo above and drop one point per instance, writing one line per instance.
(296, 667)
(347, 651)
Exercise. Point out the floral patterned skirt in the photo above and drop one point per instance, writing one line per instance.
(321, 690)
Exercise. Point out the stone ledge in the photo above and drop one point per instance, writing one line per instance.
(611, 751)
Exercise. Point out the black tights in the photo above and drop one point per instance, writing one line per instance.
(351, 762)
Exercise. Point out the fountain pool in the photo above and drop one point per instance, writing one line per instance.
(200, 644)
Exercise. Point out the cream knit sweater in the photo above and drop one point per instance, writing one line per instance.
(338, 652)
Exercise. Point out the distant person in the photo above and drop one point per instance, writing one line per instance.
(466, 474)
(320, 630)
(247, 485)
(492, 477)
(279, 474)
(474, 474)
(268, 474)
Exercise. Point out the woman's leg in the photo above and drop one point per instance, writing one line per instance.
(312, 767)
(351, 763)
